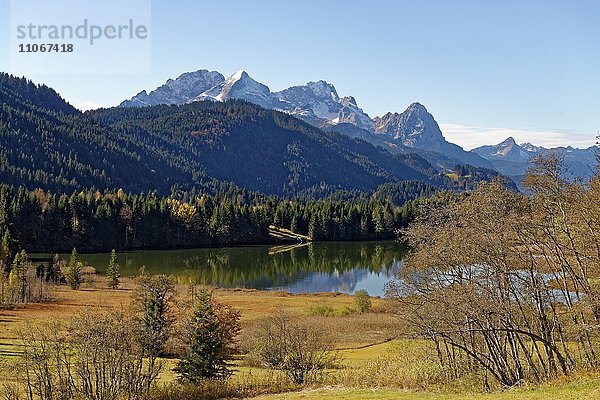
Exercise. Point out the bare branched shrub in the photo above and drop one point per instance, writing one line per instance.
(96, 356)
(300, 350)
(507, 283)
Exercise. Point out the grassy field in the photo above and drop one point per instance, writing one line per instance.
(370, 353)
(588, 389)
(347, 332)
(255, 305)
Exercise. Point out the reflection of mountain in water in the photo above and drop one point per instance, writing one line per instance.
(318, 267)
(348, 281)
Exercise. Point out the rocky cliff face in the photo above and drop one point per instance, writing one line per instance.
(319, 104)
(177, 91)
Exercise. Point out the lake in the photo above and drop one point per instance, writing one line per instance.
(317, 267)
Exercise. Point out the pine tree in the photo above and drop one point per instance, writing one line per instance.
(277, 218)
(211, 333)
(112, 272)
(5, 250)
(74, 267)
(378, 220)
(294, 224)
(153, 299)
(18, 276)
(314, 231)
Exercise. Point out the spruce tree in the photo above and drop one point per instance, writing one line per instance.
(211, 333)
(5, 250)
(313, 228)
(294, 224)
(153, 299)
(112, 272)
(74, 274)
(18, 276)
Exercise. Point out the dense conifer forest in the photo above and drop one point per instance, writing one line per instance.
(93, 221)
(202, 174)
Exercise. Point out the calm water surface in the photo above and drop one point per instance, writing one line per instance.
(317, 267)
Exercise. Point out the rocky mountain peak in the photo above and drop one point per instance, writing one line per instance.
(239, 85)
(177, 91)
(415, 127)
(239, 74)
(323, 89)
(510, 141)
(318, 103)
(346, 101)
(417, 107)
(532, 148)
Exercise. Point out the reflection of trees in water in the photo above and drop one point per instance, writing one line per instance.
(255, 267)
(340, 264)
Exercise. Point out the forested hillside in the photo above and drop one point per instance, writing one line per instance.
(48, 144)
(259, 149)
(201, 174)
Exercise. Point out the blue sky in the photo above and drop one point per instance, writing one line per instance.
(484, 69)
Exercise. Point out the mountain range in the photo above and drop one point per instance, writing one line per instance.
(512, 159)
(318, 103)
(300, 148)
(200, 145)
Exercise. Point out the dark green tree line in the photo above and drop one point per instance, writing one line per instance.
(41, 221)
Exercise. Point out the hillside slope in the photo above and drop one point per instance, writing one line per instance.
(47, 143)
(260, 149)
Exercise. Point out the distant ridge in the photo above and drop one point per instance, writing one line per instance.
(319, 104)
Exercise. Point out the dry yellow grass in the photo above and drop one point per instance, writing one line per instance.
(587, 389)
(348, 332)
(255, 305)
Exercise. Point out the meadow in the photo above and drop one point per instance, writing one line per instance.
(377, 358)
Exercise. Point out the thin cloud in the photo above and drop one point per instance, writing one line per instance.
(469, 136)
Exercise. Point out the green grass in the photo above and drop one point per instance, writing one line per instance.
(587, 389)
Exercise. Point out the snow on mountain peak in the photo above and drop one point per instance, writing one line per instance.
(239, 74)
(507, 150)
(239, 85)
(510, 141)
(531, 148)
(323, 89)
(319, 101)
(177, 91)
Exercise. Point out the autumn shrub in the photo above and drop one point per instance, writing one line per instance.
(95, 356)
(301, 351)
(326, 310)
(362, 301)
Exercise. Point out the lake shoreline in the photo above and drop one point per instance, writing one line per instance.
(315, 267)
(226, 246)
